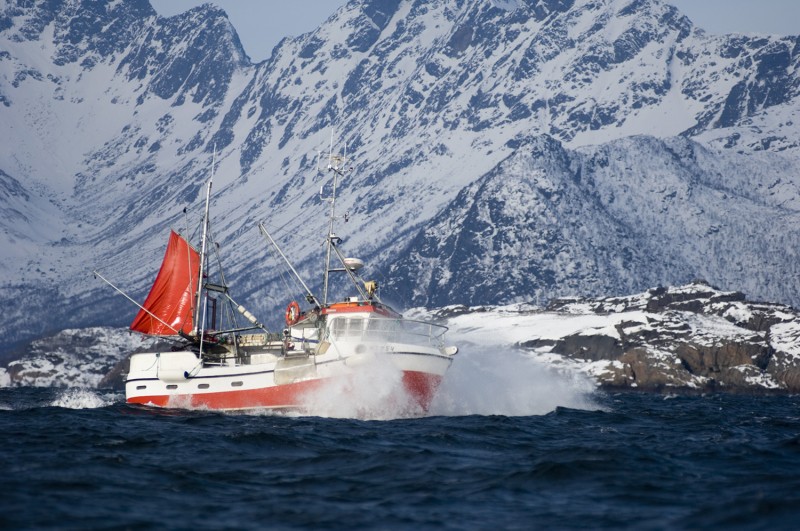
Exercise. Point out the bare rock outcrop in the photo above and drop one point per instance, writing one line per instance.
(687, 338)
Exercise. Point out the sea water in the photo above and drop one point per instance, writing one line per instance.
(509, 445)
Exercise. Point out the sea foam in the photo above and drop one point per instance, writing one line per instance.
(79, 398)
(487, 380)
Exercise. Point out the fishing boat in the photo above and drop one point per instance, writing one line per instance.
(250, 367)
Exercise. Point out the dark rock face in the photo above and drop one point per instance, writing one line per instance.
(647, 372)
(692, 338)
(786, 371)
(115, 377)
(592, 348)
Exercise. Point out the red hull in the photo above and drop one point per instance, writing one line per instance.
(419, 385)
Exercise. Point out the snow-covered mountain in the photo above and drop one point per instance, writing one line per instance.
(75, 358)
(550, 222)
(109, 115)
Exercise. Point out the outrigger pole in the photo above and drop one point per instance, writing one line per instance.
(309, 295)
(151, 314)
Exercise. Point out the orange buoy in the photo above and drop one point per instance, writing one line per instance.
(292, 313)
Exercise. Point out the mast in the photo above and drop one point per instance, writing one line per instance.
(200, 326)
(336, 165)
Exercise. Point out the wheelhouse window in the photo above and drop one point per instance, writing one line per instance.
(347, 327)
(383, 329)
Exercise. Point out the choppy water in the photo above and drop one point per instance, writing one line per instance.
(79, 459)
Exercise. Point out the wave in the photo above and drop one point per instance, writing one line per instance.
(81, 398)
(374, 392)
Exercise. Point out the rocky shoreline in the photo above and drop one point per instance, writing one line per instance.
(686, 339)
(692, 339)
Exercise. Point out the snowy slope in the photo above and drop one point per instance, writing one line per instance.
(614, 218)
(74, 358)
(110, 115)
(90, 92)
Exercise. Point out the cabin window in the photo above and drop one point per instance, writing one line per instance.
(237, 384)
(382, 328)
(172, 386)
(355, 327)
(140, 387)
(347, 327)
(338, 327)
(203, 386)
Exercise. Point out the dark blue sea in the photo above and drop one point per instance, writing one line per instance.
(639, 461)
(80, 459)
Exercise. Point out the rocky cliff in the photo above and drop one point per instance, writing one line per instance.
(692, 338)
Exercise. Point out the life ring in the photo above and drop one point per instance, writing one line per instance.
(292, 313)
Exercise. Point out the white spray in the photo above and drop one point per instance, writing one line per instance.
(481, 381)
(374, 391)
(81, 398)
(501, 381)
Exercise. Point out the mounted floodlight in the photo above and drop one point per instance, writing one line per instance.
(353, 264)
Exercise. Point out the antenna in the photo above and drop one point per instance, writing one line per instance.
(336, 164)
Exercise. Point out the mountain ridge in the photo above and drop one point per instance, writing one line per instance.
(116, 115)
(589, 225)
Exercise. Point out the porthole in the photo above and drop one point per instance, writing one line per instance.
(140, 387)
(203, 386)
(172, 386)
(237, 384)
